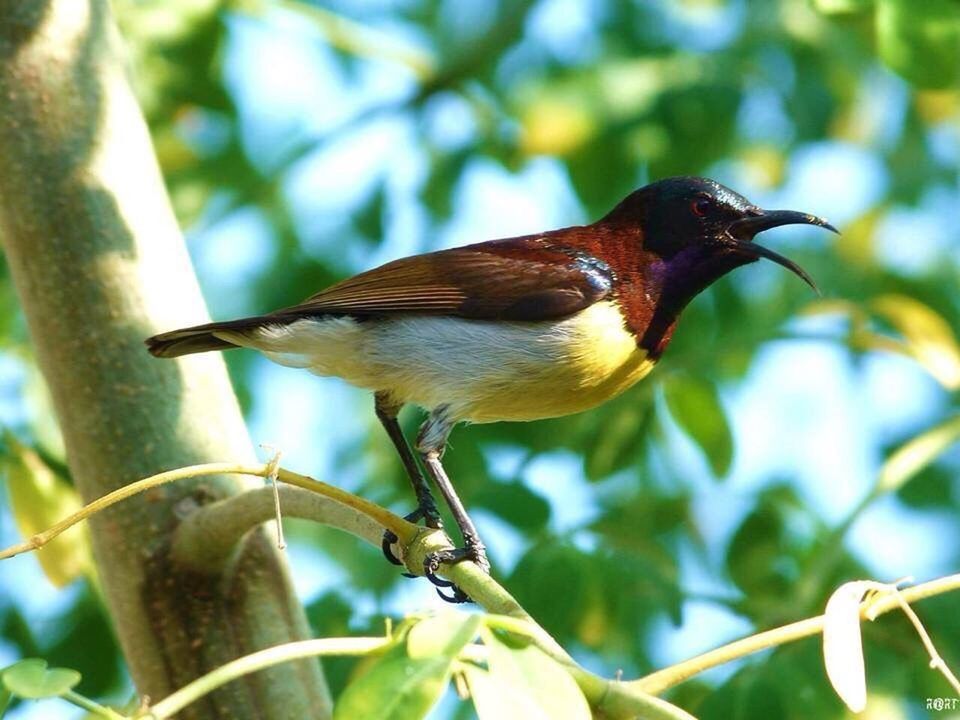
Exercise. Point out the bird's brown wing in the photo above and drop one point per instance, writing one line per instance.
(529, 278)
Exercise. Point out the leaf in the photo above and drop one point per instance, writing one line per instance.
(495, 698)
(916, 454)
(442, 634)
(369, 217)
(38, 499)
(31, 679)
(516, 503)
(695, 406)
(408, 679)
(929, 338)
(5, 697)
(536, 675)
(921, 40)
(842, 646)
(842, 7)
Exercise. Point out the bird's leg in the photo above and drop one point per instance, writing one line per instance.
(430, 444)
(387, 411)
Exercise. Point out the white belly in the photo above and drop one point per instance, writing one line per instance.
(484, 371)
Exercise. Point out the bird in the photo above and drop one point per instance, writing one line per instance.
(515, 329)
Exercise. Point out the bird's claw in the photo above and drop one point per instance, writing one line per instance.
(431, 564)
(431, 518)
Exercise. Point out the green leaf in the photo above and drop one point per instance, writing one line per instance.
(531, 673)
(496, 698)
(444, 634)
(368, 219)
(917, 454)
(929, 338)
(695, 406)
(31, 679)
(39, 499)
(5, 697)
(842, 7)
(921, 40)
(516, 503)
(408, 679)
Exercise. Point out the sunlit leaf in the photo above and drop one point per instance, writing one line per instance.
(539, 678)
(496, 699)
(921, 40)
(38, 499)
(31, 679)
(443, 634)
(5, 697)
(556, 126)
(930, 339)
(695, 404)
(917, 454)
(842, 7)
(407, 680)
(842, 646)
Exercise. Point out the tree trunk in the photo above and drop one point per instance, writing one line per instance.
(99, 264)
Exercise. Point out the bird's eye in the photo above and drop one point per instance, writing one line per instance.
(700, 206)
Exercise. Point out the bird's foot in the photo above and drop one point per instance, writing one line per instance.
(426, 511)
(474, 551)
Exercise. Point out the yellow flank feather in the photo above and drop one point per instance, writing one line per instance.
(483, 371)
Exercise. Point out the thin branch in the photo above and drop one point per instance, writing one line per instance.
(92, 707)
(206, 538)
(172, 704)
(657, 682)
(404, 530)
(936, 660)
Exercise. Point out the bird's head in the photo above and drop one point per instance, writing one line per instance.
(700, 230)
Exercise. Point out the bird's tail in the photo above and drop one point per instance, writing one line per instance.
(201, 338)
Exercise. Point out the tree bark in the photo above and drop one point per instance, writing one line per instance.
(99, 264)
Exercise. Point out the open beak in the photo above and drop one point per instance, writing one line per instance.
(742, 231)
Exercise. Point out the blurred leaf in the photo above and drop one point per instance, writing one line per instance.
(929, 338)
(754, 551)
(514, 502)
(921, 40)
(408, 679)
(38, 500)
(933, 488)
(842, 645)
(621, 437)
(695, 405)
(539, 679)
(5, 697)
(553, 583)
(634, 522)
(843, 7)
(369, 218)
(85, 640)
(31, 679)
(916, 454)
(555, 126)
(445, 173)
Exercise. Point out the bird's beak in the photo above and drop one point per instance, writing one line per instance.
(742, 231)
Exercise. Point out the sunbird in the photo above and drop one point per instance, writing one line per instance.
(516, 329)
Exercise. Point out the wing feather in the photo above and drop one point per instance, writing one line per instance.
(529, 278)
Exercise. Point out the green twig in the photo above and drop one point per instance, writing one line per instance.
(172, 704)
(657, 682)
(91, 706)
